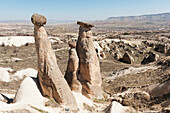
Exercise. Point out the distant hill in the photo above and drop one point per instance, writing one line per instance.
(150, 17)
(15, 21)
(29, 21)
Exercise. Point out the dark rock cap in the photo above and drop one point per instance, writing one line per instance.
(72, 44)
(38, 19)
(87, 25)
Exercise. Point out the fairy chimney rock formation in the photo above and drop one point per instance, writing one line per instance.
(38, 20)
(86, 25)
(72, 44)
(51, 80)
(89, 67)
(72, 69)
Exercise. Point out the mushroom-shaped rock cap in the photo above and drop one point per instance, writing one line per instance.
(72, 44)
(87, 25)
(38, 19)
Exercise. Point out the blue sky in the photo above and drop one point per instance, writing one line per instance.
(79, 9)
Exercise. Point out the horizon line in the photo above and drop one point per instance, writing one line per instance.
(145, 14)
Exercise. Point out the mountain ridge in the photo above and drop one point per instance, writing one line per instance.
(29, 21)
(156, 17)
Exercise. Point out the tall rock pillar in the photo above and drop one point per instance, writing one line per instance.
(72, 69)
(88, 63)
(52, 82)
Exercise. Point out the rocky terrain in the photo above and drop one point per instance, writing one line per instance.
(134, 69)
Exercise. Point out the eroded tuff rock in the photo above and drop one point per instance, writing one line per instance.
(72, 69)
(117, 55)
(163, 48)
(160, 89)
(127, 58)
(99, 50)
(116, 107)
(132, 97)
(151, 57)
(29, 93)
(38, 20)
(168, 52)
(88, 63)
(52, 82)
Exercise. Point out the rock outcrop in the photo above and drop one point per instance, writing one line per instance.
(117, 55)
(28, 93)
(99, 50)
(90, 77)
(116, 107)
(127, 58)
(162, 48)
(52, 82)
(4, 75)
(168, 52)
(132, 97)
(24, 73)
(160, 89)
(151, 57)
(72, 69)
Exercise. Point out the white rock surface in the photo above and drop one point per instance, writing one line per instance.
(9, 70)
(29, 93)
(4, 75)
(10, 60)
(81, 99)
(100, 52)
(28, 96)
(26, 72)
(16, 40)
(22, 40)
(118, 108)
(7, 95)
(5, 107)
(55, 39)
